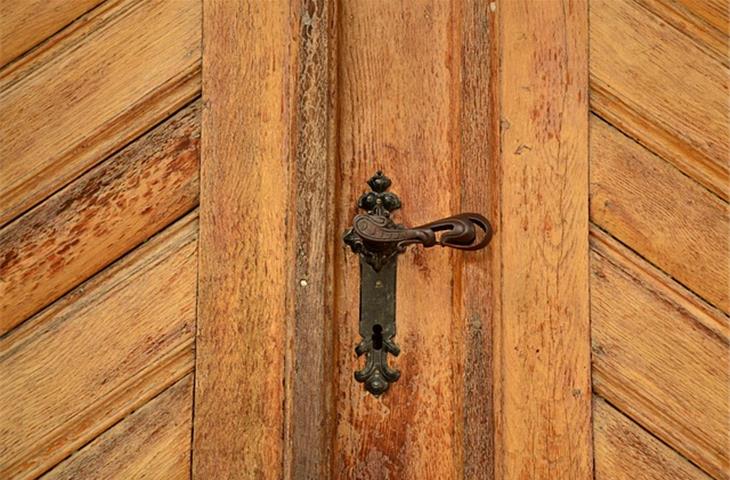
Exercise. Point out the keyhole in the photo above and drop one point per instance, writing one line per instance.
(377, 337)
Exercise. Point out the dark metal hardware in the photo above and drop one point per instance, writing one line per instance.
(378, 240)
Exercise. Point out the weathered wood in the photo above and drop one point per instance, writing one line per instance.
(397, 102)
(309, 404)
(99, 217)
(245, 281)
(661, 213)
(129, 67)
(477, 276)
(24, 24)
(100, 352)
(684, 121)
(625, 451)
(660, 354)
(153, 442)
(542, 371)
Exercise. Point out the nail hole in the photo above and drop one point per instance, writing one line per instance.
(377, 337)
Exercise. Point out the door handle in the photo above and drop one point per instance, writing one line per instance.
(378, 241)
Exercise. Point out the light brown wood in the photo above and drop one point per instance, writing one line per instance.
(625, 451)
(656, 84)
(130, 66)
(309, 400)
(661, 213)
(102, 351)
(245, 282)
(399, 112)
(706, 21)
(99, 217)
(660, 354)
(542, 351)
(153, 442)
(25, 23)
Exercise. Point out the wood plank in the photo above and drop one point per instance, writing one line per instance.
(308, 451)
(543, 352)
(625, 451)
(706, 21)
(99, 217)
(98, 353)
(245, 251)
(661, 213)
(478, 274)
(129, 67)
(398, 112)
(660, 354)
(24, 24)
(153, 442)
(658, 86)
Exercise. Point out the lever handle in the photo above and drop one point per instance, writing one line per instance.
(378, 240)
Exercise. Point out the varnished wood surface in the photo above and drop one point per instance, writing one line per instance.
(25, 23)
(625, 451)
(130, 65)
(152, 442)
(660, 354)
(100, 352)
(656, 84)
(99, 217)
(542, 374)
(244, 301)
(669, 218)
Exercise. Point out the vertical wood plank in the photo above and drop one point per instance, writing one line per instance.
(309, 402)
(244, 240)
(543, 357)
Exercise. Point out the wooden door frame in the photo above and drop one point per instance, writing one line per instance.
(265, 301)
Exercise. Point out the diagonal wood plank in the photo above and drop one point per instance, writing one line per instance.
(132, 65)
(661, 213)
(25, 23)
(685, 121)
(152, 442)
(660, 354)
(625, 451)
(103, 350)
(99, 217)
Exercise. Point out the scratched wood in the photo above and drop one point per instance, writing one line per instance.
(655, 83)
(542, 371)
(244, 275)
(24, 24)
(127, 67)
(152, 442)
(625, 451)
(99, 353)
(660, 354)
(99, 217)
(670, 219)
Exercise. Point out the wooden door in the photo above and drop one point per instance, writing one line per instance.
(176, 300)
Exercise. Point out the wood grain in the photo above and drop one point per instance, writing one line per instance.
(543, 352)
(130, 66)
(661, 213)
(245, 280)
(706, 21)
(309, 396)
(99, 217)
(625, 451)
(398, 85)
(100, 352)
(24, 24)
(658, 86)
(660, 354)
(153, 442)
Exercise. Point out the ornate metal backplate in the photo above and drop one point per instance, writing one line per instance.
(378, 240)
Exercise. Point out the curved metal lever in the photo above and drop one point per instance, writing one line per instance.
(378, 240)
